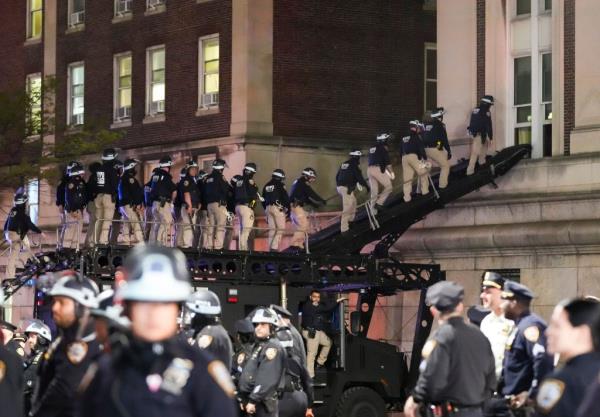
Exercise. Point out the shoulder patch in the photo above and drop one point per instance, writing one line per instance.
(76, 351)
(532, 333)
(20, 351)
(71, 186)
(131, 180)
(428, 348)
(220, 375)
(2, 370)
(240, 358)
(186, 183)
(406, 139)
(550, 393)
(372, 150)
(476, 110)
(271, 353)
(204, 341)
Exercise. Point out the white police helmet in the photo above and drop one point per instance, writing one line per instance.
(265, 315)
(40, 329)
(81, 289)
(204, 302)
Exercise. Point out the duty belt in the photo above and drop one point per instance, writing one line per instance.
(445, 409)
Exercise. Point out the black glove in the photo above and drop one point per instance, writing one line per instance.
(368, 189)
(449, 156)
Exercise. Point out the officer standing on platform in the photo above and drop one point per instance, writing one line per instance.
(571, 335)
(302, 194)
(380, 172)
(70, 355)
(75, 202)
(60, 200)
(348, 178)
(38, 340)
(17, 225)
(163, 193)
(277, 207)
(246, 197)
(525, 360)
(107, 181)
(457, 372)
(189, 194)
(156, 373)
(11, 378)
(414, 161)
(131, 199)
(91, 188)
(205, 238)
(437, 146)
(115, 228)
(263, 374)
(209, 334)
(217, 190)
(480, 129)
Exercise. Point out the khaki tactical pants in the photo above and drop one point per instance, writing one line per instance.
(440, 158)
(105, 209)
(478, 153)
(163, 216)
(312, 348)
(132, 224)
(376, 177)
(63, 220)
(217, 216)
(348, 207)
(148, 222)
(15, 242)
(246, 216)
(276, 222)
(73, 229)
(115, 229)
(206, 237)
(410, 167)
(91, 228)
(300, 222)
(185, 232)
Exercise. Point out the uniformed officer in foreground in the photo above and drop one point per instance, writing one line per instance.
(414, 161)
(457, 372)
(246, 196)
(262, 375)
(209, 334)
(480, 129)
(38, 340)
(70, 355)
(75, 202)
(244, 343)
(302, 194)
(17, 225)
(380, 171)
(217, 191)
(285, 318)
(277, 207)
(348, 178)
(108, 320)
(162, 194)
(131, 200)
(570, 334)
(526, 362)
(157, 373)
(11, 378)
(437, 146)
(189, 194)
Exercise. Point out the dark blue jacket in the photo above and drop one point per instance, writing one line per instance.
(481, 122)
(379, 156)
(413, 144)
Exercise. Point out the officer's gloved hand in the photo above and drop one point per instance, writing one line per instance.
(449, 156)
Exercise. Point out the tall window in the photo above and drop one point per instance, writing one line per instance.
(547, 103)
(76, 12)
(33, 192)
(34, 18)
(209, 71)
(522, 99)
(34, 114)
(155, 80)
(122, 7)
(75, 93)
(430, 99)
(122, 93)
(524, 7)
(154, 4)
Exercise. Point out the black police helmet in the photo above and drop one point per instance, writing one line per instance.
(109, 154)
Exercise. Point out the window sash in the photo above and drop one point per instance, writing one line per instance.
(155, 79)
(34, 92)
(35, 18)
(209, 67)
(76, 91)
(123, 81)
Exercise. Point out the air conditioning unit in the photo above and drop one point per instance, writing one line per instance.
(210, 99)
(157, 107)
(153, 4)
(123, 113)
(77, 18)
(123, 7)
(77, 119)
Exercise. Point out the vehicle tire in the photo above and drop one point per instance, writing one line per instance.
(360, 402)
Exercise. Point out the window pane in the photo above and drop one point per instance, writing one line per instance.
(211, 83)
(34, 201)
(524, 114)
(431, 64)
(158, 92)
(36, 24)
(158, 76)
(158, 59)
(125, 81)
(523, 7)
(523, 80)
(211, 50)
(523, 136)
(125, 97)
(548, 111)
(77, 75)
(211, 66)
(125, 65)
(77, 105)
(78, 6)
(547, 4)
(78, 90)
(547, 77)
(36, 4)
(431, 95)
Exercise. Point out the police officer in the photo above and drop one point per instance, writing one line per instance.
(209, 334)
(60, 200)
(11, 378)
(105, 188)
(302, 194)
(457, 372)
(494, 325)
(131, 201)
(246, 197)
(177, 208)
(348, 178)
(189, 194)
(380, 171)
(217, 189)
(115, 227)
(263, 374)
(231, 219)
(162, 194)
(525, 360)
(206, 239)
(75, 201)
(480, 129)
(297, 397)
(437, 146)
(7, 330)
(285, 322)
(414, 161)
(38, 340)
(109, 321)
(69, 356)
(17, 225)
(244, 343)
(148, 207)
(570, 335)
(277, 207)
(156, 373)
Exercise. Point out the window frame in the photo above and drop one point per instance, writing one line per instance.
(34, 199)
(202, 74)
(116, 12)
(543, 102)
(149, 82)
(515, 107)
(70, 25)
(117, 86)
(29, 19)
(522, 15)
(70, 93)
(429, 46)
(29, 115)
